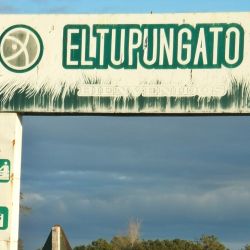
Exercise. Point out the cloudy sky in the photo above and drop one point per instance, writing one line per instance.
(180, 176)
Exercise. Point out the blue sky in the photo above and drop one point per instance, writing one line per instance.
(114, 6)
(181, 176)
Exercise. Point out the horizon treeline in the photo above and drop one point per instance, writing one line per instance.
(132, 241)
(206, 242)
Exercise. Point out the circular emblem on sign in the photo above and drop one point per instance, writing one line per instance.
(21, 48)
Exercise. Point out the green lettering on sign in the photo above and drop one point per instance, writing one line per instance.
(153, 46)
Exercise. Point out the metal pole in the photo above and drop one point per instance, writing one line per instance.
(10, 175)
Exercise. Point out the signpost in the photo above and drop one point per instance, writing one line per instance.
(125, 64)
(114, 64)
(10, 166)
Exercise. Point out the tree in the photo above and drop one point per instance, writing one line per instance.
(134, 227)
(101, 244)
(210, 242)
(247, 247)
(120, 243)
(20, 245)
(80, 248)
(23, 210)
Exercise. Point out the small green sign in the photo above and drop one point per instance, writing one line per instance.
(4, 170)
(4, 218)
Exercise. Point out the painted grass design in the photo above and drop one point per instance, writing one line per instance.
(237, 100)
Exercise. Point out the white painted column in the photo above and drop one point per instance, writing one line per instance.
(56, 238)
(10, 159)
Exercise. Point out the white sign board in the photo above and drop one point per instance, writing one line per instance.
(148, 63)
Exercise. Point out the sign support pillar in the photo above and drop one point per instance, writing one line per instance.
(10, 179)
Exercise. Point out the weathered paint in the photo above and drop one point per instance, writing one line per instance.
(142, 64)
(10, 152)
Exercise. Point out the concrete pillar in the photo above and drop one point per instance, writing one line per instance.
(10, 175)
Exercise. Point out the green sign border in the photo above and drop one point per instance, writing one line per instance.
(40, 42)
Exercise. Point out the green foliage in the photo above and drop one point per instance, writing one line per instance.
(132, 241)
(206, 242)
(120, 243)
(20, 245)
(247, 247)
(211, 242)
(99, 244)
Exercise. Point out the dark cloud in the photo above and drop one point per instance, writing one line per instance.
(181, 176)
